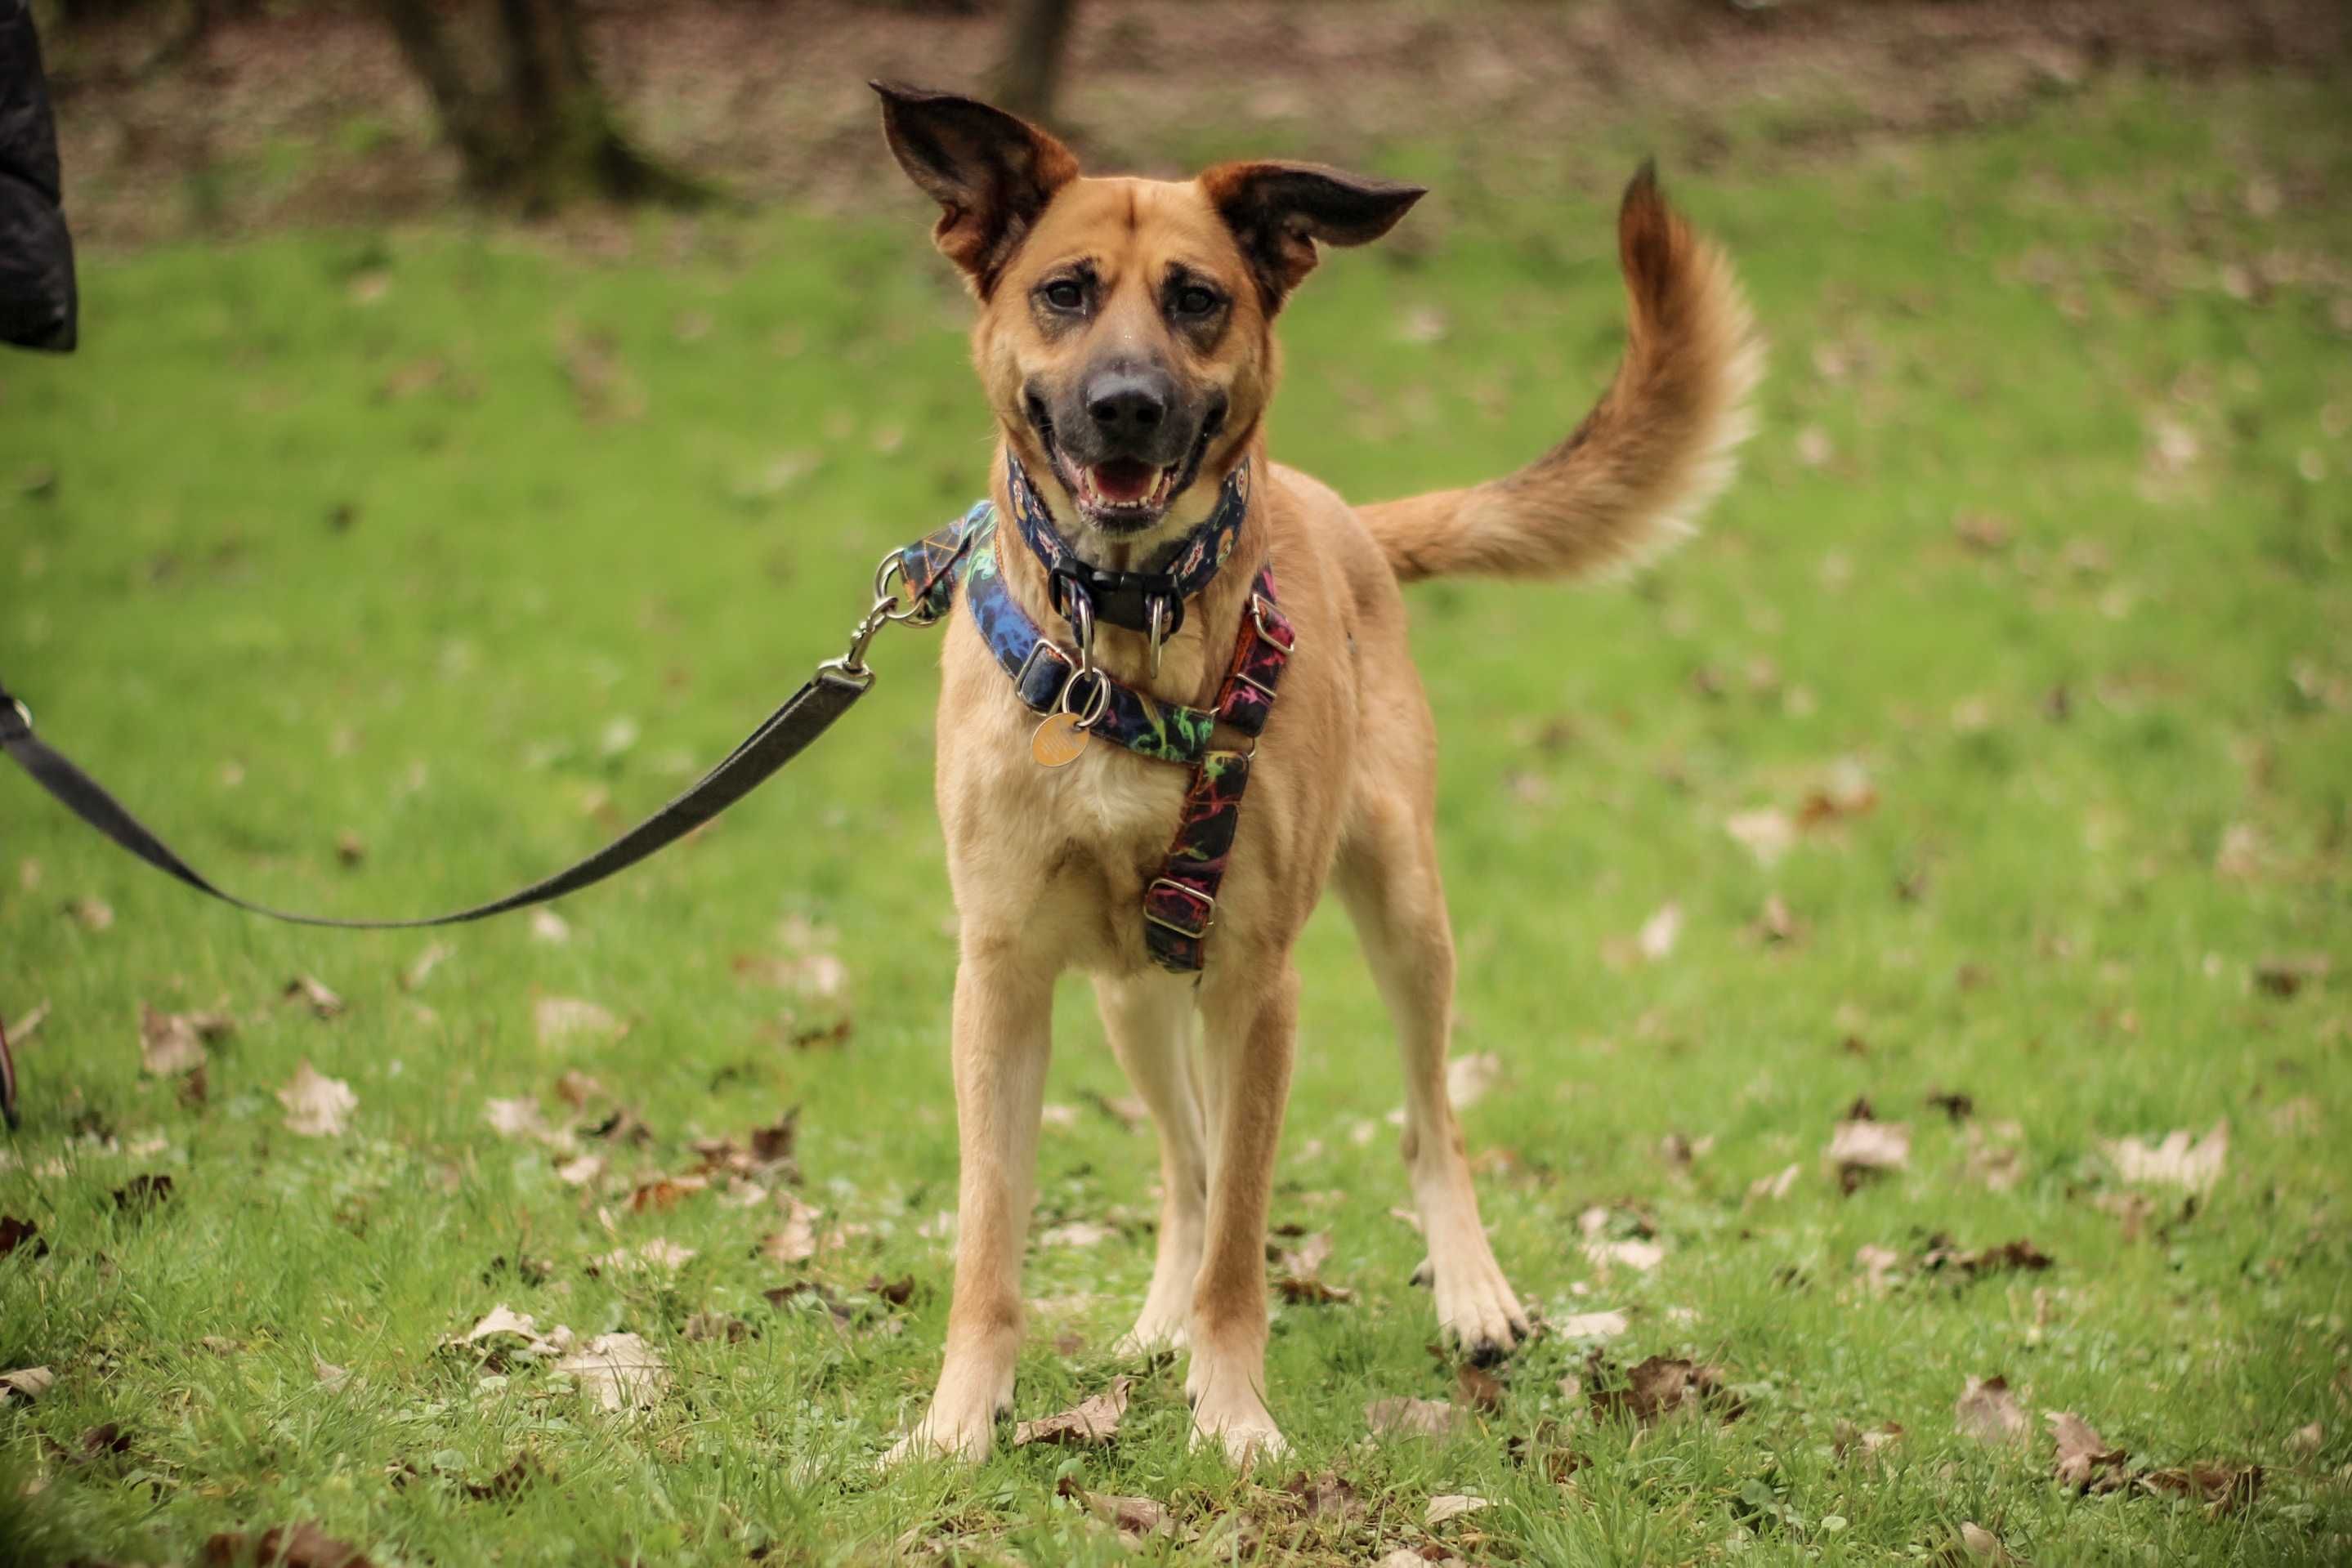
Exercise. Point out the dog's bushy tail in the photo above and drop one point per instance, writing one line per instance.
(1657, 448)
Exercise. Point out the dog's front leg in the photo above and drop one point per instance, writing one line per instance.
(1251, 1018)
(1003, 1013)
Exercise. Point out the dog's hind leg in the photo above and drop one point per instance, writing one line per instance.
(1149, 1021)
(1387, 874)
(1003, 1015)
(1250, 1017)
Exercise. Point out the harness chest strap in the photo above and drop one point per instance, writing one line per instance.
(1179, 903)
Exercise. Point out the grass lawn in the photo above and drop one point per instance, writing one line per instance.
(384, 570)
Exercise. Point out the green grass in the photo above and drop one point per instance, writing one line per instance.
(405, 536)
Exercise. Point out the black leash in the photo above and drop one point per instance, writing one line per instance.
(781, 736)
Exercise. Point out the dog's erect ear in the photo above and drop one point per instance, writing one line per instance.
(990, 174)
(1278, 212)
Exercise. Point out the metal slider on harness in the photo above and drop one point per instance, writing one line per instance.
(1199, 901)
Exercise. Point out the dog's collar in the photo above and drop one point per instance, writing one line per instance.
(1145, 601)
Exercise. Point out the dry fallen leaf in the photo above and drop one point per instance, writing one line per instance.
(1861, 1148)
(1590, 1326)
(1409, 1417)
(1093, 1421)
(306, 989)
(557, 1019)
(1642, 1256)
(1876, 1264)
(2086, 1463)
(581, 1171)
(2222, 1488)
(796, 1242)
(1664, 1386)
(304, 1545)
(330, 1377)
(1468, 1078)
(1135, 1516)
(316, 1106)
(1777, 1185)
(505, 1337)
(515, 1118)
(1986, 1411)
(172, 1043)
(1768, 834)
(1847, 1437)
(620, 1371)
(24, 1385)
(1452, 1505)
(25, 1233)
(1978, 1544)
(1076, 1233)
(2175, 1162)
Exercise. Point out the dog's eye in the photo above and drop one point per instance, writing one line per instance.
(1063, 294)
(1195, 300)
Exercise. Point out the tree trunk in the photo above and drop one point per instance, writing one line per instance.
(517, 95)
(1035, 39)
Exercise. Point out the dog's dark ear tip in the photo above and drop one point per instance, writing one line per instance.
(1644, 183)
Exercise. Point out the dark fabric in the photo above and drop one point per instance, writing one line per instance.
(37, 306)
(805, 716)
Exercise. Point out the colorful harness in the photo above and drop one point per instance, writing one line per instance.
(1180, 904)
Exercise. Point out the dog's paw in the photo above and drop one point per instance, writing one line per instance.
(966, 1440)
(1152, 1338)
(1477, 1311)
(1246, 1435)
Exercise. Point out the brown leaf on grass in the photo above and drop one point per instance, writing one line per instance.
(23, 1028)
(306, 989)
(717, 1325)
(1768, 834)
(421, 968)
(1776, 926)
(1662, 1387)
(1942, 1255)
(1092, 1422)
(2178, 1161)
(172, 1043)
(1404, 1416)
(796, 1242)
(1452, 1505)
(575, 1089)
(1468, 1078)
(1130, 1516)
(2223, 1488)
(1846, 1437)
(1779, 1184)
(1860, 1148)
(505, 1338)
(2283, 977)
(516, 1118)
(1998, 1165)
(1957, 1107)
(1476, 1388)
(1327, 1496)
(105, 1442)
(91, 914)
(1986, 1411)
(143, 1193)
(316, 1106)
(24, 1385)
(330, 1377)
(520, 1472)
(581, 1171)
(2307, 1441)
(25, 1233)
(1076, 1233)
(1848, 792)
(1590, 1326)
(619, 1370)
(1309, 1291)
(557, 1021)
(1976, 1545)
(304, 1545)
(897, 1293)
(657, 1194)
(1877, 1265)
(2085, 1462)
(1543, 1446)
(842, 1313)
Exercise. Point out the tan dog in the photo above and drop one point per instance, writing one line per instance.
(1125, 345)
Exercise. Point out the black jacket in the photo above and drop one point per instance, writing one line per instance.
(36, 272)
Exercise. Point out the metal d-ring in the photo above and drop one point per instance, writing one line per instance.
(1162, 622)
(1097, 704)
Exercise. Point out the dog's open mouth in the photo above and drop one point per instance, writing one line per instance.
(1123, 495)
(1124, 490)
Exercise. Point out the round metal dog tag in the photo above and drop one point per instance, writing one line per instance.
(1058, 741)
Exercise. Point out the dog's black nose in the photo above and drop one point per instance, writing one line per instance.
(1127, 403)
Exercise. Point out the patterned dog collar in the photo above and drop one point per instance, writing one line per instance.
(1132, 599)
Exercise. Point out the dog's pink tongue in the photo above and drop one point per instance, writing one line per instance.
(1122, 479)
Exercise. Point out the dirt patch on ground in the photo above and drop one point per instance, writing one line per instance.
(312, 118)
